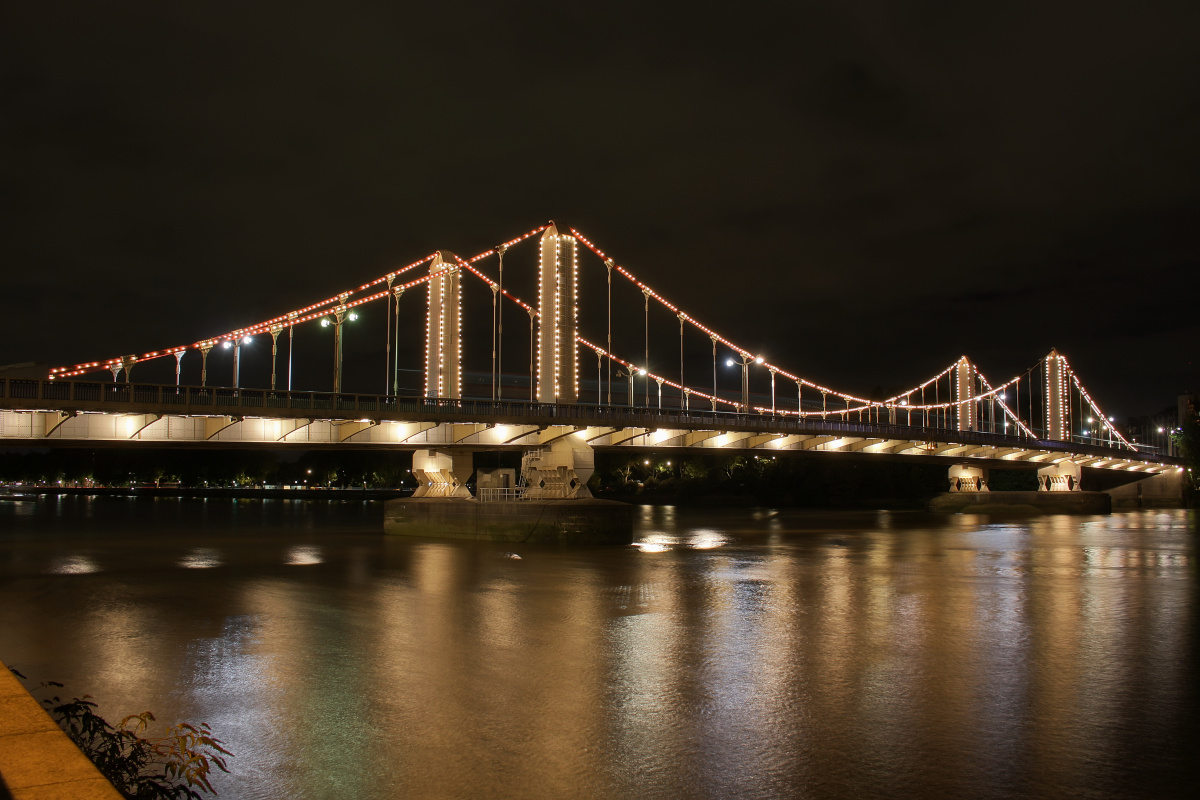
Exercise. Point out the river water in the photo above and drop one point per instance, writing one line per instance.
(734, 653)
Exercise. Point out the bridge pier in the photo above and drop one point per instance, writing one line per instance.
(558, 472)
(442, 473)
(1061, 477)
(964, 478)
(1163, 490)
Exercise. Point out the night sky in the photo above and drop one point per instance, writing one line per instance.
(861, 191)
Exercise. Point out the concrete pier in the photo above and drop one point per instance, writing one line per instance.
(586, 521)
(1022, 503)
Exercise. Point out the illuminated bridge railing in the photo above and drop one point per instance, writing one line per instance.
(30, 394)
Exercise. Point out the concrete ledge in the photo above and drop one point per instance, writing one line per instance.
(37, 760)
(1022, 503)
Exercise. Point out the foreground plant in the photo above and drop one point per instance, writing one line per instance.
(174, 766)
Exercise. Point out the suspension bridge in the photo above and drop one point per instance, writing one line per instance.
(1043, 417)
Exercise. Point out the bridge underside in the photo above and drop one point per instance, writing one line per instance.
(59, 428)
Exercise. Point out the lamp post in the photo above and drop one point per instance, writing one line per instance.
(500, 251)
(646, 295)
(387, 339)
(713, 336)
(340, 315)
(236, 344)
(608, 263)
(275, 331)
(627, 373)
(746, 360)
(495, 295)
(205, 347)
(399, 290)
(291, 331)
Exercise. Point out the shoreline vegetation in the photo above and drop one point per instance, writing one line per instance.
(172, 765)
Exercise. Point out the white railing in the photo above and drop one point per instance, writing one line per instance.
(490, 495)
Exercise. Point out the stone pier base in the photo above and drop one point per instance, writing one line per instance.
(583, 522)
(1022, 503)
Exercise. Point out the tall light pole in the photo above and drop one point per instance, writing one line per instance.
(713, 336)
(237, 356)
(495, 297)
(205, 347)
(396, 350)
(646, 294)
(500, 251)
(608, 262)
(291, 331)
(682, 394)
(341, 315)
(275, 331)
(628, 373)
(387, 339)
(746, 360)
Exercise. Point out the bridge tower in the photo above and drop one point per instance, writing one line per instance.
(443, 328)
(964, 394)
(558, 319)
(1057, 398)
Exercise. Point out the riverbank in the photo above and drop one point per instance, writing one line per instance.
(242, 492)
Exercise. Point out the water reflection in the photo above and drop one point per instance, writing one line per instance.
(201, 558)
(74, 565)
(786, 655)
(304, 554)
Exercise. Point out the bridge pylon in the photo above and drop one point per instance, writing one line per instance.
(1057, 398)
(443, 329)
(964, 395)
(558, 319)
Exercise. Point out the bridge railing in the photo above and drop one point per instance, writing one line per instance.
(183, 400)
(500, 495)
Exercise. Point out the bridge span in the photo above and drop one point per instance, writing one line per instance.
(65, 413)
(1041, 417)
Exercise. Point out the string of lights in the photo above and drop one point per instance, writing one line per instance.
(853, 403)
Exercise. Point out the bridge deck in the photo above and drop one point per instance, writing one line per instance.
(48, 412)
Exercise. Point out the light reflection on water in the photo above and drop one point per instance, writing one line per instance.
(734, 653)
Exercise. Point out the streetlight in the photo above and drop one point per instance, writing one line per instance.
(340, 315)
(236, 344)
(746, 359)
(628, 373)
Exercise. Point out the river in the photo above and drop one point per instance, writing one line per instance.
(734, 653)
